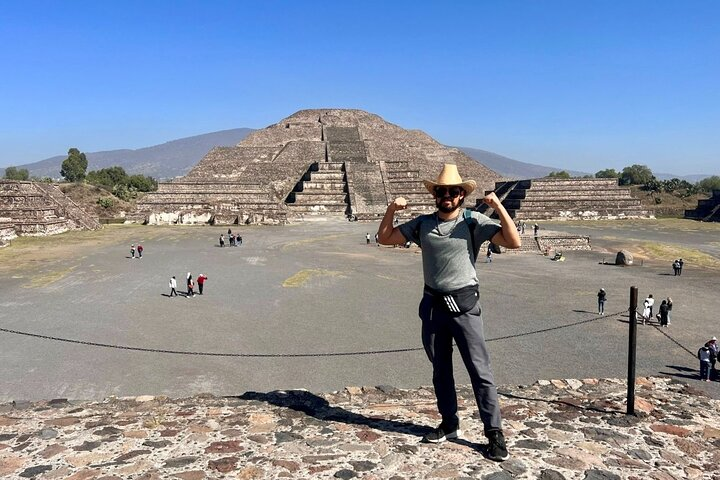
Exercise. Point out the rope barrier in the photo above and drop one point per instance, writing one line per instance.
(281, 355)
(657, 327)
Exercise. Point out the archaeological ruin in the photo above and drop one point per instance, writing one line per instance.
(351, 163)
(346, 163)
(567, 199)
(38, 209)
(707, 210)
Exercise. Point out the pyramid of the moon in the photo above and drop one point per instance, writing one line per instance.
(333, 162)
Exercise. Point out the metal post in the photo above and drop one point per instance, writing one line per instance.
(632, 344)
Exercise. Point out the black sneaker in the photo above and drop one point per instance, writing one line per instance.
(496, 449)
(444, 432)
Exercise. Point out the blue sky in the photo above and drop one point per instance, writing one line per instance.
(574, 84)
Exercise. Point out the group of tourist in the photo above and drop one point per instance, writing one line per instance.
(677, 266)
(708, 355)
(663, 315)
(133, 250)
(190, 285)
(233, 240)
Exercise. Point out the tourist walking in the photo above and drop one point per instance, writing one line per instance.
(450, 307)
(714, 350)
(602, 296)
(676, 267)
(648, 308)
(201, 282)
(646, 311)
(239, 240)
(132, 250)
(173, 287)
(680, 266)
(536, 227)
(140, 250)
(522, 227)
(190, 286)
(488, 255)
(669, 310)
(367, 239)
(663, 314)
(222, 240)
(705, 366)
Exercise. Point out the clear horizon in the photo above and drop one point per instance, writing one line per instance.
(577, 86)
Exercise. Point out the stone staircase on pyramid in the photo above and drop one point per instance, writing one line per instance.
(38, 209)
(315, 163)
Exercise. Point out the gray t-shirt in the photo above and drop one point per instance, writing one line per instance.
(446, 248)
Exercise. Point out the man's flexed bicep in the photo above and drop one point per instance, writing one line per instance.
(387, 234)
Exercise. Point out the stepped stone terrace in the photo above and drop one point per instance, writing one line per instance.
(708, 210)
(325, 162)
(567, 199)
(38, 209)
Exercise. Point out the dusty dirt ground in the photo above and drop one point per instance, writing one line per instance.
(318, 289)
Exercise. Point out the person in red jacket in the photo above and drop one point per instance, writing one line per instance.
(201, 282)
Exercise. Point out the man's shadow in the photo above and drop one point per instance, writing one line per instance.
(319, 408)
(682, 372)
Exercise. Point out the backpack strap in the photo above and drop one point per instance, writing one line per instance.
(467, 215)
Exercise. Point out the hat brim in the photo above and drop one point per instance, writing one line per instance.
(468, 186)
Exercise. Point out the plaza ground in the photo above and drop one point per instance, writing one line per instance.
(317, 290)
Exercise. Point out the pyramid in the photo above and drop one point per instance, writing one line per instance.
(321, 162)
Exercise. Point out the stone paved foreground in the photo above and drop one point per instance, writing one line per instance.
(556, 429)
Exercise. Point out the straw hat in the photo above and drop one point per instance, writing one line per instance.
(449, 177)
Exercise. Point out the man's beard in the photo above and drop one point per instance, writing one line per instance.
(443, 208)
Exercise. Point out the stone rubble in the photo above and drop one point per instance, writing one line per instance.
(559, 429)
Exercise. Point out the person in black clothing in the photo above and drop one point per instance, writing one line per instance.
(664, 313)
(680, 265)
(602, 296)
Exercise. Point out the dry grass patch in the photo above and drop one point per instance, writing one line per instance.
(301, 277)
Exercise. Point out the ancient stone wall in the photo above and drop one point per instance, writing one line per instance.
(569, 199)
(36, 209)
(708, 210)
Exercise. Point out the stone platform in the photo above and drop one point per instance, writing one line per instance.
(708, 210)
(39, 209)
(567, 199)
(559, 429)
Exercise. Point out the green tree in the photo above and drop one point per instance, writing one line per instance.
(709, 184)
(13, 173)
(108, 177)
(653, 185)
(607, 173)
(636, 175)
(74, 166)
(560, 174)
(142, 183)
(106, 202)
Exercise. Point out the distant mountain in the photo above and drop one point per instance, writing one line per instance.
(510, 168)
(164, 161)
(687, 178)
